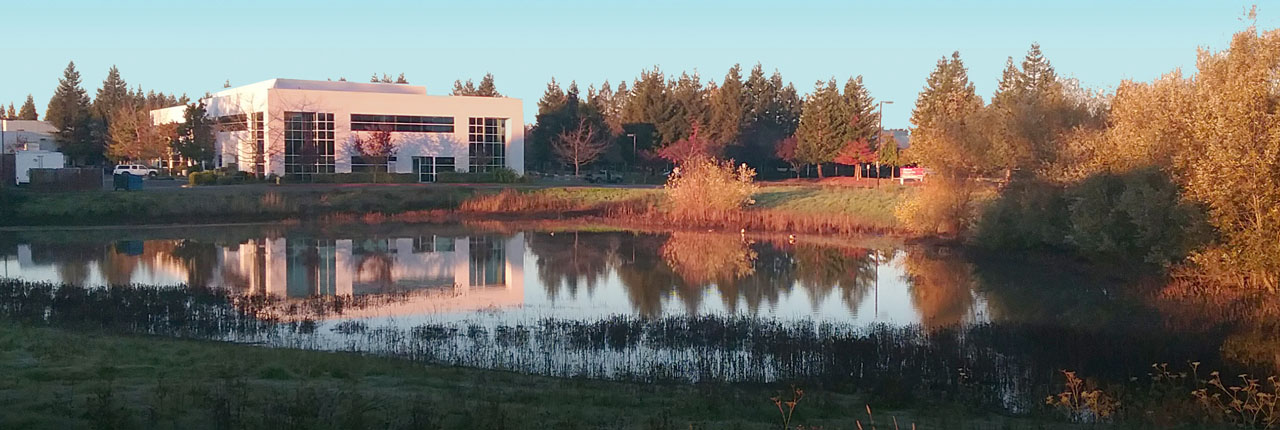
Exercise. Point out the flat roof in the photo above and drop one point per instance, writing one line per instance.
(303, 84)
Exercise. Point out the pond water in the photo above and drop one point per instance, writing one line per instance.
(684, 306)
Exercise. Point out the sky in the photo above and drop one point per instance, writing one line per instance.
(193, 47)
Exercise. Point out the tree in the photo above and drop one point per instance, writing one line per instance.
(771, 113)
(860, 111)
(579, 146)
(69, 112)
(135, 138)
(693, 146)
(887, 150)
(377, 148)
(112, 97)
(28, 110)
(486, 88)
(401, 80)
(648, 104)
(822, 126)
(786, 151)
(11, 113)
(728, 109)
(856, 153)
(386, 79)
(226, 83)
(195, 134)
(940, 138)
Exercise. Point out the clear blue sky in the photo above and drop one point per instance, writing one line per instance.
(193, 47)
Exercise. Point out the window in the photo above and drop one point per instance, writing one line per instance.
(308, 143)
(402, 123)
(427, 167)
(487, 263)
(425, 244)
(229, 123)
(487, 138)
(259, 137)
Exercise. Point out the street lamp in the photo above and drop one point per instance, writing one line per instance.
(633, 149)
(881, 118)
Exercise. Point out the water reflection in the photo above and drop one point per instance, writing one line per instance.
(571, 274)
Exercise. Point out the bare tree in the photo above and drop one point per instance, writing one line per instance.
(579, 146)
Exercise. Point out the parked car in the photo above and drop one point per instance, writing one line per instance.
(603, 177)
(135, 170)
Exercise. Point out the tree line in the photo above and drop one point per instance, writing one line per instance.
(758, 119)
(1179, 172)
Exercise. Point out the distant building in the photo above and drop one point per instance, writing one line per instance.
(298, 127)
(902, 135)
(24, 135)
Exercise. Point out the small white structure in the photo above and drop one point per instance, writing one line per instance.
(23, 134)
(300, 127)
(29, 159)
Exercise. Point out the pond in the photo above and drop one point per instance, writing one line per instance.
(899, 321)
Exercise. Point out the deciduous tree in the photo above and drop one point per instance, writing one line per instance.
(580, 146)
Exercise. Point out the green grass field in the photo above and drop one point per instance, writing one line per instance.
(59, 379)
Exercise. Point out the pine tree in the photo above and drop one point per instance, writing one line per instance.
(460, 89)
(28, 109)
(821, 132)
(729, 109)
(113, 94)
(70, 113)
(11, 113)
(647, 104)
(939, 139)
(226, 83)
(688, 106)
(551, 121)
(401, 80)
(487, 87)
(863, 120)
(195, 134)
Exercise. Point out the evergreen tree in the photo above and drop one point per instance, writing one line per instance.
(11, 113)
(195, 134)
(28, 109)
(647, 107)
(771, 114)
(460, 89)
(863, 120)
(487, 87)
(70, 113)
(939, 139)
(113, 94)
(552, 120)
(688, 106)
(226, 84)
(821, 132)
(729, 109)
(401, 80)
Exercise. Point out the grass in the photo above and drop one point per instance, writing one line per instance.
(55, 378)
(788, 209)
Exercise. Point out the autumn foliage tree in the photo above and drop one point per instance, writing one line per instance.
(696, 145)
(135, 138)
(856, 153)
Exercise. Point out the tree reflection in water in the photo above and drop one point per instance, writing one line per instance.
(942, 288)
(573, 259)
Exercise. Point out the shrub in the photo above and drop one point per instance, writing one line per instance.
(703, 187)
(203, 178)
(501, 175)
(943, 206)
(1138, 214)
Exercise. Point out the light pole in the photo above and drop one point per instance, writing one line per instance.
(633, 149)
(881, 118)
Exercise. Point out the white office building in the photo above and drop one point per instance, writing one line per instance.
(300, 127)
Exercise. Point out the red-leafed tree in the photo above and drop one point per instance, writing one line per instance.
(689, 147)
(786, 151)
(377, 148)
(855, 153)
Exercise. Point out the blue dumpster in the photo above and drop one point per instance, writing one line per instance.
(127, 182)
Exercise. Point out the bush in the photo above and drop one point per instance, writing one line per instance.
(943, 206)
(705, 188)
(501, 175)
(1028, 214)
(1139, 214)
(203, 178)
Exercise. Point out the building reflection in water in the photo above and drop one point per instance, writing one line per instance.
(432, 274)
